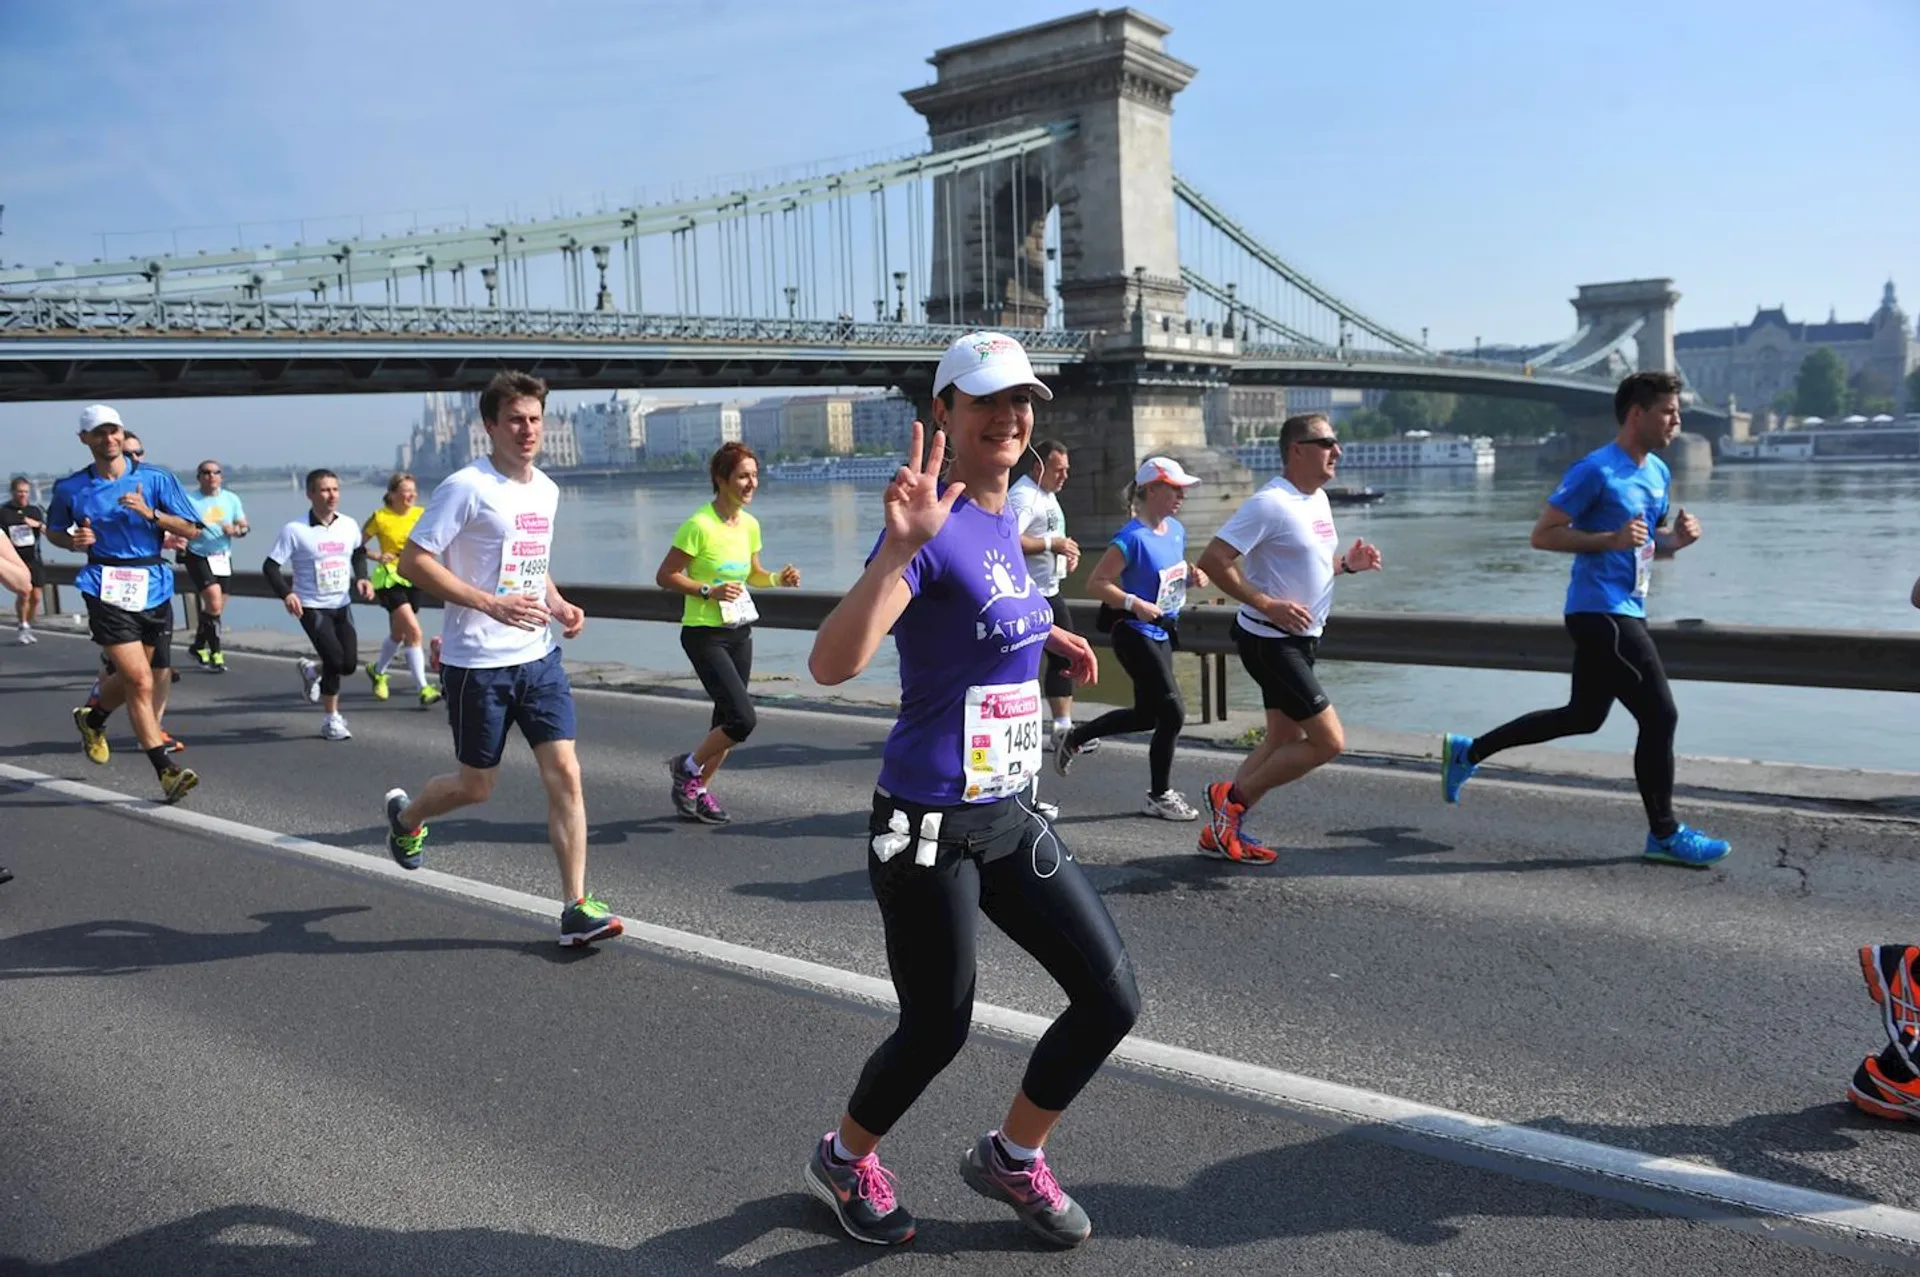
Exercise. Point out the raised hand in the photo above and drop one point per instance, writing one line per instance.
(1363, 557)
(916, 509)
(1145, 610)
(572, 618)
(1631, 537)
(83, 535)
(790, 577)
(136, 501)
(1686, 529)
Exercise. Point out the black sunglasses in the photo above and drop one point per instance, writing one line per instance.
(210, 472)
(136, 455)
(1320, 441)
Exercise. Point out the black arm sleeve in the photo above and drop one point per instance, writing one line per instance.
(276, 579)
(360, 562)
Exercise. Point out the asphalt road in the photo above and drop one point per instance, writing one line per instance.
(218, 1056)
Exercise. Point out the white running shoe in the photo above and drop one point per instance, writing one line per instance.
(310, 680)
(1171, 805)
(25, 637)
(334, 727)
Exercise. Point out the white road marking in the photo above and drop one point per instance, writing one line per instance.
(1290, 1091)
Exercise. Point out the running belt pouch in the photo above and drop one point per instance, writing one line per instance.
(1107, 618)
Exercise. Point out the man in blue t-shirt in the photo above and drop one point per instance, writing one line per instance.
(1610, 513)
(119, 511)
(208, 558)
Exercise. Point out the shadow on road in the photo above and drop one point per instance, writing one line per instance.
(502, 833)
(121, 946)
(1762, 1144)
(263, 1241)
(780, 754)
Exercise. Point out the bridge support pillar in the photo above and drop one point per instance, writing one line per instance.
(1107, 72)
(1688, 454)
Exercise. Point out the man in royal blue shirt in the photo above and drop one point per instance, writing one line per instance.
(118, 511)
(1610, 513)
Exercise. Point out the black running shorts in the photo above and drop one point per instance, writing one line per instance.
(1283, 667)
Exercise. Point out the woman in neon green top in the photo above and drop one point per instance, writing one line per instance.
(389, 527)
(715, 562)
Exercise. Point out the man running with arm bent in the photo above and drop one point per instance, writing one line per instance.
(483, 549)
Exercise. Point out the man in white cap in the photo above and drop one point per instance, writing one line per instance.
(118, 511)
(1278, 556)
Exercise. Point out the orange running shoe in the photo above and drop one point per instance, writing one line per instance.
(1222, 835)
(1885, 1086)
(1889, 970)
(173, 743)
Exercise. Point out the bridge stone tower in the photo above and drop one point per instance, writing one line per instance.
(1107, 72)
(1608, 309)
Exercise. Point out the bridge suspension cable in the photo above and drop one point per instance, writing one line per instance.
(822, 246)
(1221, 251)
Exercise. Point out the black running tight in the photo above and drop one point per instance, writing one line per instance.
(1156, 707)
(335, 641)
(1613, 660)
(1003, 860)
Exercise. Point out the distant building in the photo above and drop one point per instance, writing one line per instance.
(1336, 403)
(695, 430)
(447, 436)
(612, 432)
(882, 422)
(818, 425)
(760, 425)
(1756, 363)
(1235, 414)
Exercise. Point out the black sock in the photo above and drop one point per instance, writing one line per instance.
(1235, 796)
(97, 718)
(1000, 1151)
(213, 632)
(158, 757)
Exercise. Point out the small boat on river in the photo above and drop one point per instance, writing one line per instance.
(1355, 496)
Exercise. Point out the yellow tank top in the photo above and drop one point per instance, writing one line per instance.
(391, 531)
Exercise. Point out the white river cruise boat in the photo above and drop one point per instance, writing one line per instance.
(1877, 439)
(1415, 450)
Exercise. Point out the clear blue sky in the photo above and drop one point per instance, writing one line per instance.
(1460, 166)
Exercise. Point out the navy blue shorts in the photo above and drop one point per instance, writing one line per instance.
(483, 704)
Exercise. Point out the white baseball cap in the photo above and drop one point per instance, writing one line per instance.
(93, 416)
(985, 364)
(1163, 470)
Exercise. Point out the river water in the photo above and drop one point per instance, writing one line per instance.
(1823, 547)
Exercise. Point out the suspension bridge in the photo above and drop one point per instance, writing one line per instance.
(1046, 205)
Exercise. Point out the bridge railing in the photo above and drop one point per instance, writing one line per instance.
(1865, 660)
(66, 316)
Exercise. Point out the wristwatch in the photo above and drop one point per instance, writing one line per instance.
(705, 591)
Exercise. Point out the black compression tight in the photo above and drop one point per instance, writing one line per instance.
(1613, 660)
(335, 641)
(1156, 707)
(1002, 860)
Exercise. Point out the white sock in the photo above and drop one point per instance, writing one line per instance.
(416, 664)
(841, 1151)
(387, 648)
(1061, 726)
(1014, 1152)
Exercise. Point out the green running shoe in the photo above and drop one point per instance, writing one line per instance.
(407, 847)
(587, 920)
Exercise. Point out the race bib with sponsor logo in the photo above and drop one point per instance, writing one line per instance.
(1000, 739)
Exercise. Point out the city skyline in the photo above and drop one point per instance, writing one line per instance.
(1540, 154)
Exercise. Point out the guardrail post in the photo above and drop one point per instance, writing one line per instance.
(1220, 685)
(1206, 696)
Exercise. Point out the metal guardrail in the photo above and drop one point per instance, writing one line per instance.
(30, 316)
(1864, 660)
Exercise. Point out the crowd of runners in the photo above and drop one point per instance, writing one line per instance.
(969, 576)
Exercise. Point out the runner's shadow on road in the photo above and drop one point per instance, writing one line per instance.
(788, 754)
(506, 833)
(122, 946)
(1762, 1145)
(839, 825)
(786, 1235)
(832, 889)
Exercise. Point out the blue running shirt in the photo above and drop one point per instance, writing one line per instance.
(216, 512)
(1156, 570)
(1603, 492)
(121, 537)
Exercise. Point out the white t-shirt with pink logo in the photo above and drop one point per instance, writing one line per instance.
(1287, 544)
(320, 558)
(497, 536)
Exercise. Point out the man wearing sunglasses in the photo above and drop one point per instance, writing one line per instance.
(208, 559)
(1278, 556)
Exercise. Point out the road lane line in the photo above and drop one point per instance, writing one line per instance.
(1288, 1091)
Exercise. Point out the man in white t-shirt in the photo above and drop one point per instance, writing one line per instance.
(483, 548)
(1278, 556)
(329, 566)
(1051, 555)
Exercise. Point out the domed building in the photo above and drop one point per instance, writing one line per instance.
(1757, 362)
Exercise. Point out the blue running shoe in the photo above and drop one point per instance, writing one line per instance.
(1687, 847)
(1455, 770)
